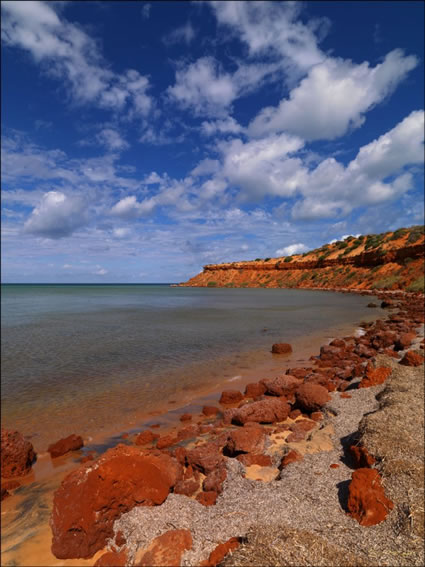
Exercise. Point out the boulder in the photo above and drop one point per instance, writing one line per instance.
(367, 502)
(145, 437)
(264, 411)
(167, 549)
(404, 341)
(311, 397)
(245, 440)
(337, 343)
(220, 552)
(231, 397)
(205, 457)
(71, 443)
(412, 358)
(92, 497)
(254, 390)
(187, 487)
(166, 441)
(281, 348)
(360, 457)
(281, 385)
(17, 454)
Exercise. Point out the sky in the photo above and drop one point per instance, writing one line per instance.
(143, 140)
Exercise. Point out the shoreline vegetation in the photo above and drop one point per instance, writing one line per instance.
(322, 465)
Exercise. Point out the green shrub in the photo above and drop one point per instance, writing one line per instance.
(211, 284)
(341, 244)
(398, 233)
(413, 237)
(386, 283)
(288, 259)
(229, 285)
(257, 260)
(417, 285)
(267, 259)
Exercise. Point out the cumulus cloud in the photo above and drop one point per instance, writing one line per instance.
(205, 88)
(130, 208)
(334, 97)
(225, 126)
(57, 216)
(262, 167)
(292, 249)
(67, 52)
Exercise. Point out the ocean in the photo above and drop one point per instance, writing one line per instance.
(79, 358)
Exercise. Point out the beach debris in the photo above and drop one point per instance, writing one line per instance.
(167, 549)
(412, 358)
(367, 502)
(92, 497)
(230, 397)
(281, 348)
(71, 443)
(311, 397)
(17, 454)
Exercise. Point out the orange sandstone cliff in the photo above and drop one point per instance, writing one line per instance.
(391, 260)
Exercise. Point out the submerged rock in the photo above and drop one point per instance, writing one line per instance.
(281, 348)
(71, 443)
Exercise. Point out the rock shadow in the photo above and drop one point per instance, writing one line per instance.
(343, 494)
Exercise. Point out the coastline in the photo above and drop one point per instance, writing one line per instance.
(170, 422)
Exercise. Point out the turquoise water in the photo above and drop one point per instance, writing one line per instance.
(93, 353)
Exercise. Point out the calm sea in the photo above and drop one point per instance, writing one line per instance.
(83, 356)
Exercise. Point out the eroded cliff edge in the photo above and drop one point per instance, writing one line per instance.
(392, 260)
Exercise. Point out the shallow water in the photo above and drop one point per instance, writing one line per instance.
(104, 354)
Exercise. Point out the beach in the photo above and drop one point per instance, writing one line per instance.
(36, 497)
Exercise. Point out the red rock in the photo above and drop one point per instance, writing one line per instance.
(245, 440)
(361, 458)
(220, 552)
(295, 413)
(383, 339)
(124, 436)
(205, 458)
(412, 358)
(145, 437)
(210, 410)
(316, 416)
(404, 341)
(112, 559)
(254, 390)
(167, 549)
(334, 466)
(17, 454)
(87, 458)
(180, 454)
(71, 443)
(185, 417)
(214, 480)
(187, 487)
(4, 493)
(92, 497)
(391, 352)
(231, 397)
(281, 348)
(207, 498)
(311, 397)
(188, 432)
(249, 459)
(375, 376)
(166, 441)
(299, 430)
(345, 395)
(228, 416)
(337, 343)
(264, 411)
(298, 372)
(289, 458)
(367, 502)
(281, 385)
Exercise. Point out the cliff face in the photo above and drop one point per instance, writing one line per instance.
(394, 260)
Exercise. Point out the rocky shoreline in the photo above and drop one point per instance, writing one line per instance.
(192, 496)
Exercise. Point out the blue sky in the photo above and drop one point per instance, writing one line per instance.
(142, 140)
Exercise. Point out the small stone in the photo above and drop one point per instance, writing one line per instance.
(281, 348)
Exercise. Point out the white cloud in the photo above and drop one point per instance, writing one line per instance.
(184, 34)
(206, 167)
(112, 139)
(226, 126)
(57, 215)
(146, 11)
(121, 232)
(67, 52)
(262, 167)
(292, 249)
(334, 97)
(99, 271)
